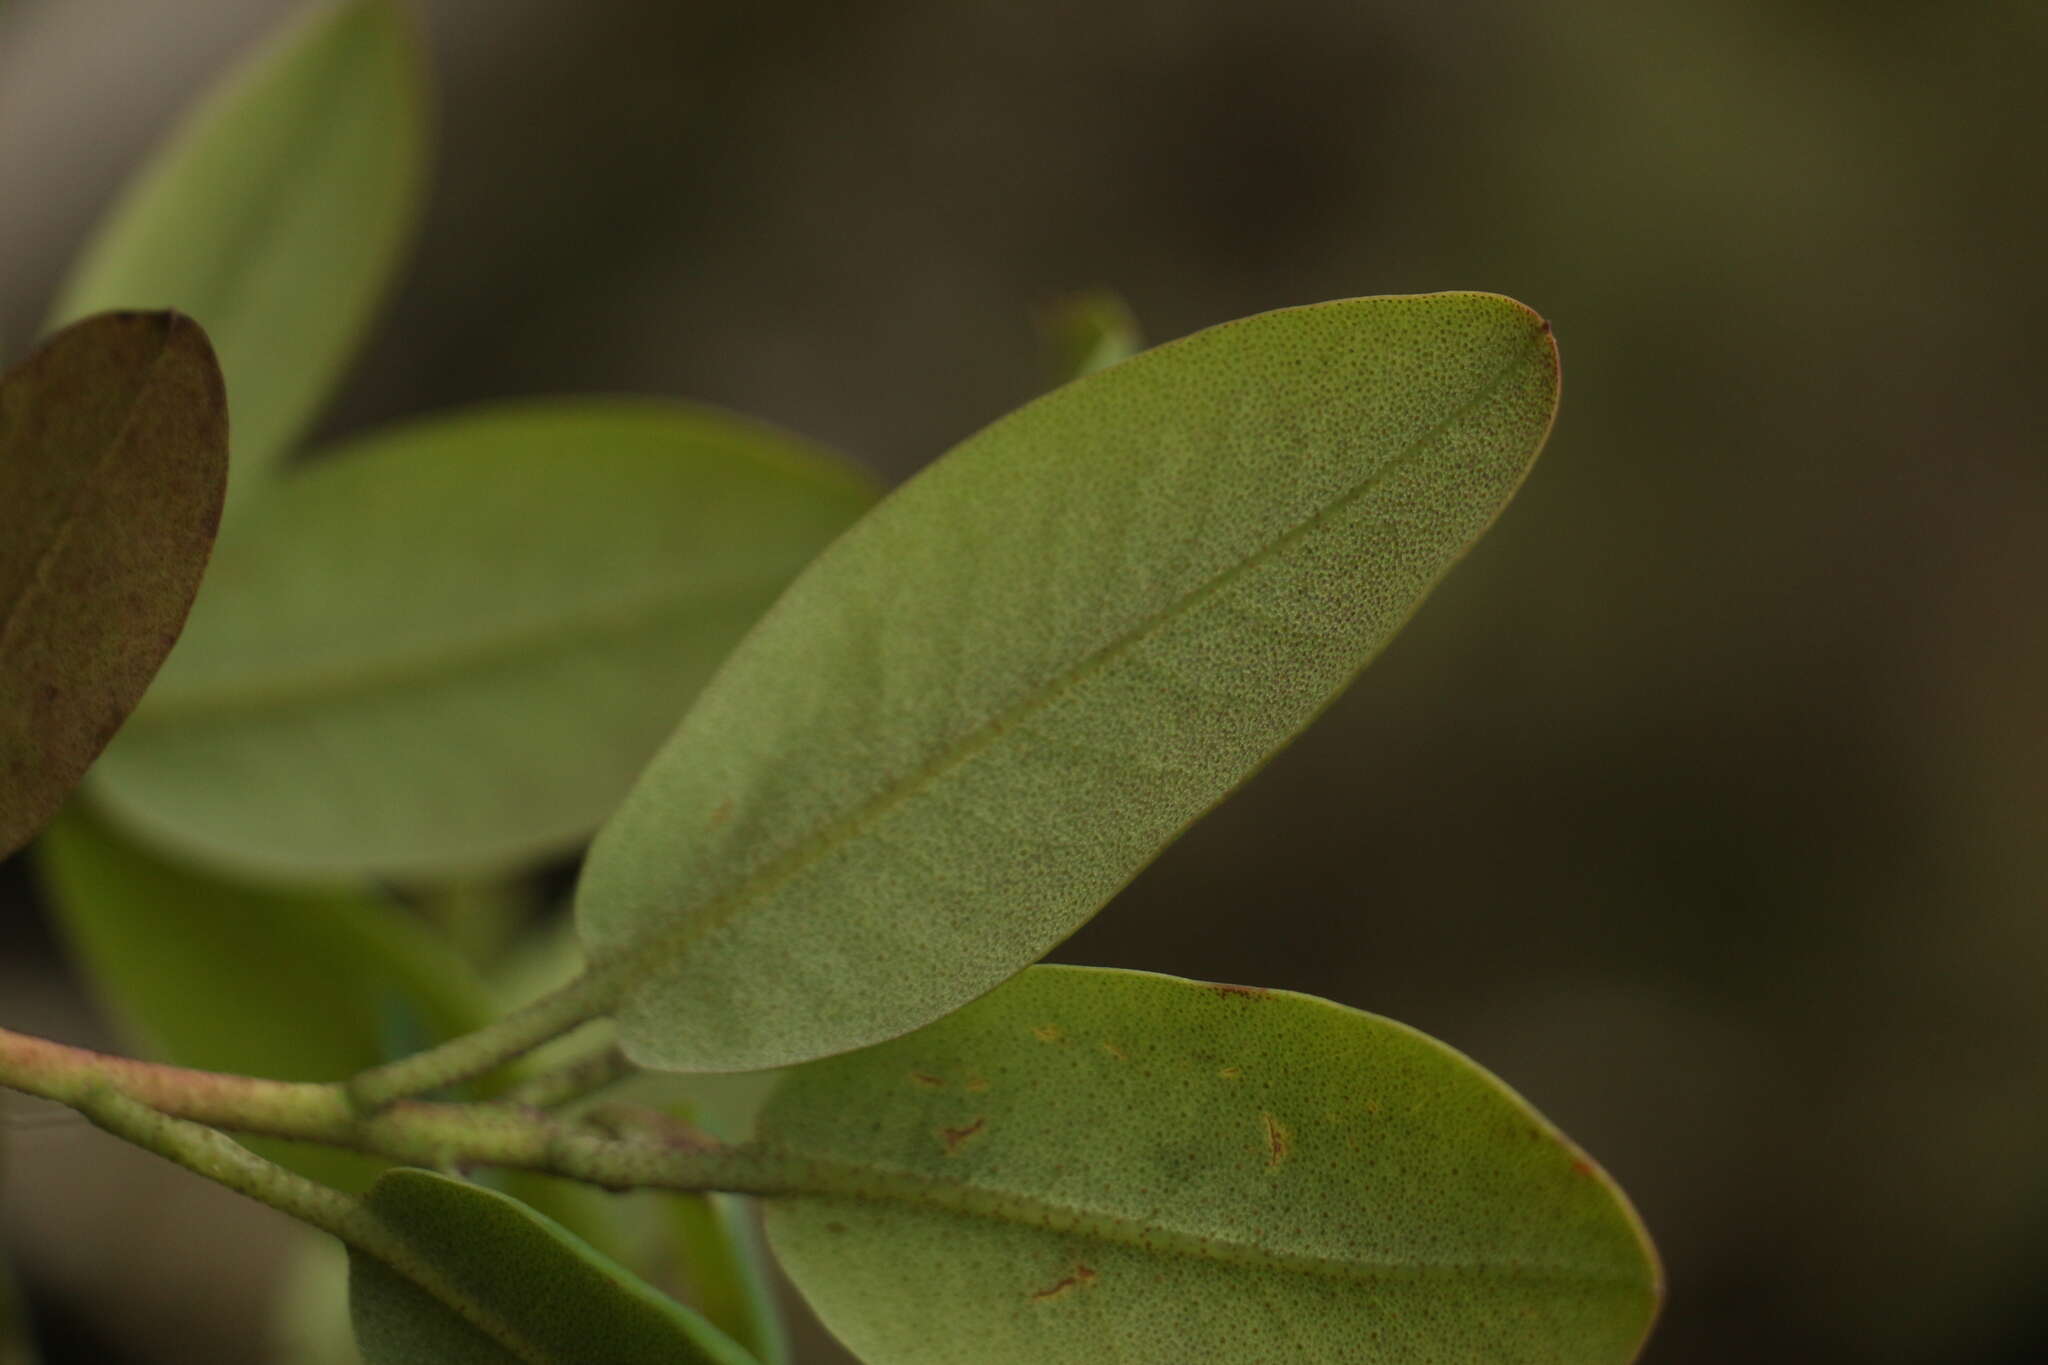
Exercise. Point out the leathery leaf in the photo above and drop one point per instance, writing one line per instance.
(451, 646)
(508, 1287)
(991, 703)
(1099, 1165)
(113, 458)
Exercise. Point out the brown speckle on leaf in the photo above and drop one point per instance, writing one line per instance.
(956, 1138)
(722, 813)
(1081, 1278)
(975, 1085)
(1115, 1053)
(924, 1080)
(1241, 992)
(1279, 1142)
(1231, 1073)
(1047, 1033)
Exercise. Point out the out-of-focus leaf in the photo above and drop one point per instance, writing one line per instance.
(309, 1319)
(453, 645)
(725, 1266)
(989, 705)
(1089, 332)
(275, 216)
(113, 453)
(550, 1298)
(1099, 1165)
(229, 977)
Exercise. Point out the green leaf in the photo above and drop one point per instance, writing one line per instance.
(726, 1269)
(451, 646)
(705, 1246)
(529, 1292)
(1104, 1165)
(113, 453)
(308, 1318)
(275, 216)
(1089, 332)
(229, 977)
(989, 705)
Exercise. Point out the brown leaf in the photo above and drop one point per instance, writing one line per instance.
(113, 462)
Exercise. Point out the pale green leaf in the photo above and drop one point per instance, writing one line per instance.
(526, 1291)
(989, 705)
(1089, 332)
(309, 1317)
(113, 453)
(452, 645)
(1094, 1165)
(275, 216)
(214, 974)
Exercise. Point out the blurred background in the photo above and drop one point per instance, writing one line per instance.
(1704, 803)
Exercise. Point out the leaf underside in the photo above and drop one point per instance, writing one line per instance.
(1094, 1165)
(113, 457)
(991, 703)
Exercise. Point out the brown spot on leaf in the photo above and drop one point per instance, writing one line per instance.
(1241, 992)
(924, 1080)
(1232, 1073)
(1047, 1033)
(1083, 1276)
(975, 1085)
(722, 813)
(1116, 1053)
(1279, 1142)
(956, 1138)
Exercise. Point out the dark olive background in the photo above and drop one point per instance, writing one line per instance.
(1704, 803)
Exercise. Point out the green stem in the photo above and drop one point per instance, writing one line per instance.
(459, 1059)
(574, 1080)
(650, 1150)
(617, 1149)
(220, 1159)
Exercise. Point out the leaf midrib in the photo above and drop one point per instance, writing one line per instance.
(648, 956)
(791, 1175)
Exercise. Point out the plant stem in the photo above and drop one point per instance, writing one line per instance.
(473, 1054)
(70, 1075)
(224, 1161)
(572, 1081)
(219, 1158)
(654, 1151)
(617, 1148)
